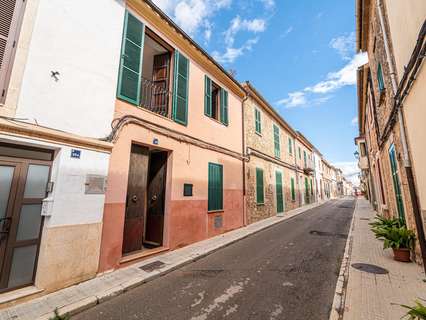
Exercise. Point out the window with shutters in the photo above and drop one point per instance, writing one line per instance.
(290, 146)
(260, 192)
(215, 187)
(277, 147)
(152, 75)
(258, 121)
(11, 14)
(215, 101)
(380, 80)
(293, 191)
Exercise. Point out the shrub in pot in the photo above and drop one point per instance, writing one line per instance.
(397, 237)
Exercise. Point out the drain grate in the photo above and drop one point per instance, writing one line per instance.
(328, 234)
(152, 266)
(369, 268)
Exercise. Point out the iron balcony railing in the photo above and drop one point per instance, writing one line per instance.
(155, 97)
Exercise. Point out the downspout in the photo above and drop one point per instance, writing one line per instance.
(244, 159)
(406, 157)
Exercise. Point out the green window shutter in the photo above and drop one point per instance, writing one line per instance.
(260, 196)
(396, 183)
(207, 96)
(257, 119)
(306, 187)
(130, 72)
(300, 154)
(380, 80)
(279, 191)
(293, 192)
(215, 187)
(312, 189)
(180, 89)
(290, 146)
(224, 106)
(277, 147)
(304, 157)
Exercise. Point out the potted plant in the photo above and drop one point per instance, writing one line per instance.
(399, 238)
(418, 312)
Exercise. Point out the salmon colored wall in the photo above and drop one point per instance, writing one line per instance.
(186, 218)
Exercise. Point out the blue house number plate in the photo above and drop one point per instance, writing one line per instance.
(75, 153)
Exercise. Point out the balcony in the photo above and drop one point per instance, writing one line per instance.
(309, 167)
(155, 97)
(363, 163)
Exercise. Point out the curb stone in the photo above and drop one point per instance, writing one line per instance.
(338, 307)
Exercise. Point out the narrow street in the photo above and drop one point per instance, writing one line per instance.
(288, 271)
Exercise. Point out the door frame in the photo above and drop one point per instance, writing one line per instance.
(18, 200)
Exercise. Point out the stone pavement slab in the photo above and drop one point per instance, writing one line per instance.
(372, 296)
(82, 296)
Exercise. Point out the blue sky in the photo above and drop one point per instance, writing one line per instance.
(299, 54)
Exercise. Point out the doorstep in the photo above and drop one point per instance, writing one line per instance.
(18, 294)
(142, 254)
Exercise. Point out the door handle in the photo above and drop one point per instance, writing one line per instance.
(134, 198)
(154, 197)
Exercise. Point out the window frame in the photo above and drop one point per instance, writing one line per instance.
(257, 121)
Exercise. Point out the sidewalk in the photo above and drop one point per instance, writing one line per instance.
(87, 294)
(372, 296)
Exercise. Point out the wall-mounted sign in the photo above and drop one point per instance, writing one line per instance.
(75, 153)
(155, 141)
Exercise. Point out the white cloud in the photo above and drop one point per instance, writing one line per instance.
(268, 3)
(334, 81)
(231, 53)
(344, 45)
(354, 121)
(350, 170)
(237, 24)
(192, 15)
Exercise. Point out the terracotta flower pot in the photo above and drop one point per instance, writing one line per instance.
(402, 255)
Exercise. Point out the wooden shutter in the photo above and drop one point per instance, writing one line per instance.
(290, 147)
(380, 78)
(396, 183)
(215, 187)
(11, 13)
(224, 106)
(293, 193)
(260, 197)
(180, 89)
(279, 191)
(207, 96)
(277, 149)
(257, 120)
(130, 72)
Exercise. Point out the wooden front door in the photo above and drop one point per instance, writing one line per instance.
(136, 199)
(156, 198)
(23, 186)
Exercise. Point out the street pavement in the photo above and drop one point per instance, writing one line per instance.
(288, 271)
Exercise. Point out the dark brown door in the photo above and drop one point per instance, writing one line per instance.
(160, 79)
(23, 186)
(136, 199)
(156, 198)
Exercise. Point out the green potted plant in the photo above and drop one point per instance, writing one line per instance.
(399, 238)
(418, 312)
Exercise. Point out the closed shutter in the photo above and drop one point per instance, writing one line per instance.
(293, 193)
(290, 146)
(279, 191)
(180, 89)
(130, 73)
(277, 149)
(224, 106)
(380, 80)
(396, 183)
(207, 96)
(11, 12)
(304, 158)
(260, 197)
(312, 188)
(215, 187)
(257, 120)
(306, 187)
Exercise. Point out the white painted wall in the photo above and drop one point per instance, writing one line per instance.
(81, 40)
(70, 204)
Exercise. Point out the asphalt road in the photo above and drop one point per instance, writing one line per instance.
(288, 271)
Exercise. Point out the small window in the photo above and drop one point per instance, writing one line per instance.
(293, 192)
(277, 147)
(380, 79)
(215, 187)
(260, 193)
(300, 153)
(290, 146)
(215, 101)
(258, 121)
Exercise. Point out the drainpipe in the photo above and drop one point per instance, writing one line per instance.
(406, 157)
(244, 160)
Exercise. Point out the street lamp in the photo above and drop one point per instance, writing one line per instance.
(356, 154)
